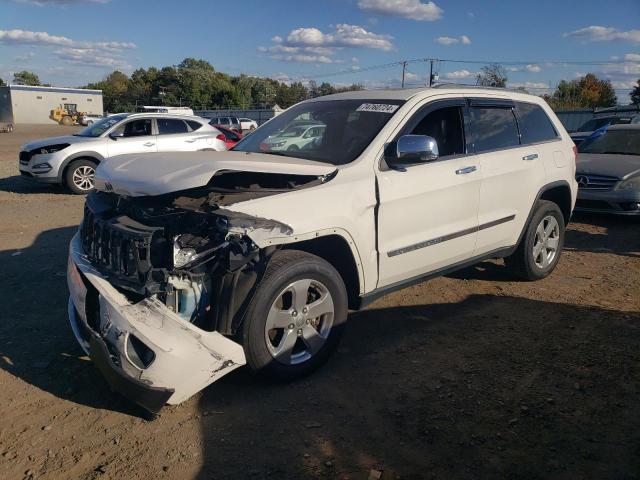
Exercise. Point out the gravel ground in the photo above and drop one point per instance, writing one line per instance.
(473, 375)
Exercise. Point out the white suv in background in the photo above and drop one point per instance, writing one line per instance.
(184, 271)
(71, 160)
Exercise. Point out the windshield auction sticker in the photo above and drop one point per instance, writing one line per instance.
(377, 107)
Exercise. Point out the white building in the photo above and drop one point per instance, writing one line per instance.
(27, 104)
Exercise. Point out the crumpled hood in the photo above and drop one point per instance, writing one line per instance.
(70, 139)
(160, 173)
(607, 164)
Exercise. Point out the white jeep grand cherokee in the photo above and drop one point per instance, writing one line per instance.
(178, 275)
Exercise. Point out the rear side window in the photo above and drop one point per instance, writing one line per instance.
(493, 128)
(535, 125)
(167, 126)
(194, 125)
(224, 121)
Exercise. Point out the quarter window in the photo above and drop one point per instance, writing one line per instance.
(167, 126)
(493, 128)
(535, 125)
(194, 125)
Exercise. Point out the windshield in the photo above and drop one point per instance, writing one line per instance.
(622, 142)
(333, 131)
(99, 127)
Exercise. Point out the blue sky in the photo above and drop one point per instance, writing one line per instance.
(72, 42)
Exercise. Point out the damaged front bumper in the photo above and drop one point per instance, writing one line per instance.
(145, 351)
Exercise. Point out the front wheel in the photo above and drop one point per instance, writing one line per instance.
(540, 248)
(80, 175)
(296, 316)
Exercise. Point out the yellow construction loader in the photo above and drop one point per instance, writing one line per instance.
(66, 114)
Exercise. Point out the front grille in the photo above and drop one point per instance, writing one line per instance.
(595, 182)
(119, 247)
(24, 158)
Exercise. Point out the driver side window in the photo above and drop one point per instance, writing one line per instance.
(446, 126)
(135, 128)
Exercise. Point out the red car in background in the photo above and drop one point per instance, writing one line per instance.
(230, 137)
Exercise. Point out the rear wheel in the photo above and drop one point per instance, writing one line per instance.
(67, 121)
(540, 248)
(79, 176)
(296, 316)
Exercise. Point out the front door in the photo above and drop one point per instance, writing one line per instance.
(428, 214)
(134, 136)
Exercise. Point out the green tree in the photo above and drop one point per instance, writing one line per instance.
(2, 84)
(635, 94)
(25, 78)
(586, 92)
(493, 75)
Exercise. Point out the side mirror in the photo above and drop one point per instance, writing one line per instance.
(410, 149)
(116, 135)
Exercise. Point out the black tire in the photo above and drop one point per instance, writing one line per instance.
(285, 268)
(67, 121)
(522, 262)
(76, 167)
(293, 148)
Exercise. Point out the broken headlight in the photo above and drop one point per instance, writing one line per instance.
(188, 248)
(50, 149)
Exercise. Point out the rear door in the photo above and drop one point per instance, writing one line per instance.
(428, 214)
(175, 135)
(138, 136)
(512, 173)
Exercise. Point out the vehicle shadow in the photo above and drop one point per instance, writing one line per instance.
(36, 342)
(622, 237)
(491, 387)
(20, 184)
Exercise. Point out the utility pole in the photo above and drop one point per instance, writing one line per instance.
(404, 69)
(431, 72)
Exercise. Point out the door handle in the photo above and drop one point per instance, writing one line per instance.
(533, 156)
(465, 170)
(149, 144)
(190, 141)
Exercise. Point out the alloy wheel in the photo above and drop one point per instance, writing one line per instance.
(299, 321)
(83, 177)
(546, 242)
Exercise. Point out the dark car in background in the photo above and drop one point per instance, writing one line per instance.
(608, 172)
(588, 128)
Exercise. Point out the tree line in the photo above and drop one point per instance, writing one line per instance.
(195, 83)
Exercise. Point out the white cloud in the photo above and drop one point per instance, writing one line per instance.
(301, 58)
(531, 68)
(344, 35)
(26, 37)
(103, 54)
(531, 85)
(460, 74)
(624, 84)
(25, 57)
(311, 45)
(598, 33)
(632, 57)
(411, 9)
(91, 57)
(448, 41)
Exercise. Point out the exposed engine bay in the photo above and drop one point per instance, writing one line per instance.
(186, 249)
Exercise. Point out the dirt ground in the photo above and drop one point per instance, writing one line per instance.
(468, 376)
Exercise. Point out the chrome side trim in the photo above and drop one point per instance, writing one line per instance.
(451, 236)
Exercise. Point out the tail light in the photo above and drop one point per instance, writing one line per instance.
(575, 154)
(220, 136)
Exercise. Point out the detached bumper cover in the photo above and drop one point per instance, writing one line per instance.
(145, 351)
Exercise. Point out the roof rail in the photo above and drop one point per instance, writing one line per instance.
(466, 85)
